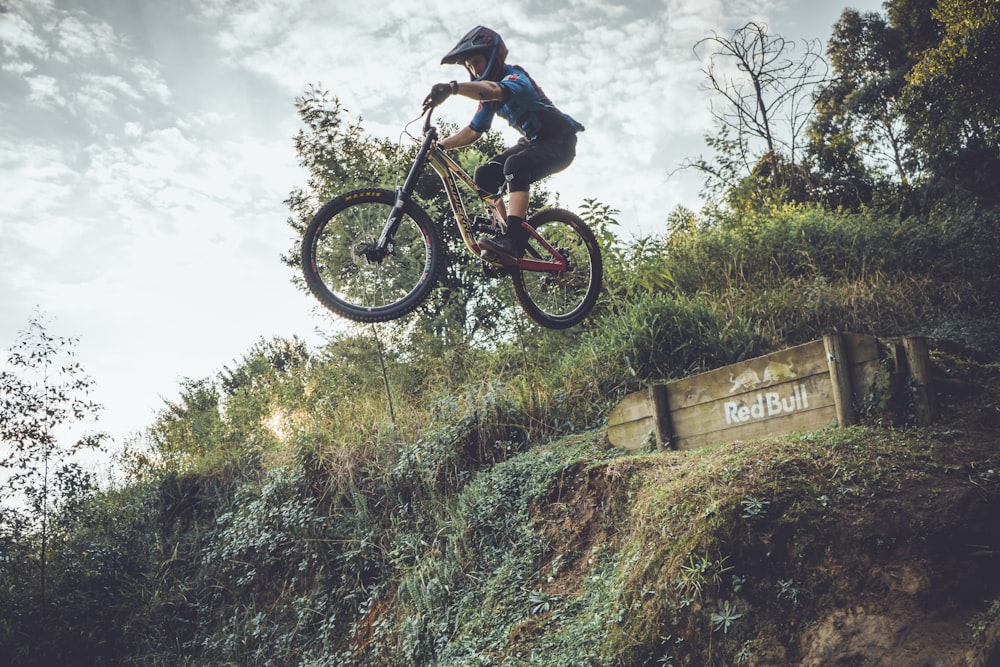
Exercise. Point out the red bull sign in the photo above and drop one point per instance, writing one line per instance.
(807, 387)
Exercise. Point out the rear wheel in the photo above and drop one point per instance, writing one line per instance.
(560, 299)
(354, 279)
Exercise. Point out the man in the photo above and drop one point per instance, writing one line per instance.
(548, 144)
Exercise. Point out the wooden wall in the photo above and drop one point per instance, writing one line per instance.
(803, 388)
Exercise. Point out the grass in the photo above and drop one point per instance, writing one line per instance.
(484, 519)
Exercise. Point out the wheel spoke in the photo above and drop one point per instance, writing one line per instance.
(560, 299)
(351, 276)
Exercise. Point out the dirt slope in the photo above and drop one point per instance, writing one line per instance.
(873, 546)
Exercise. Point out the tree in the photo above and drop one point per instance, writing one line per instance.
(953, 93)
(191, 428)
(855, 111)
(860, 142)
(232, 419)
(911, 109)
(43, 392)
(766, 104)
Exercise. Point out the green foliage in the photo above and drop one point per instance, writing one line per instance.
(43, 391)
(906, 119)
(440, 492)
(725, 616)
(285, 515)
(858, 140)
(952, 96)
(909, 118)
(466, 613)
(664, 336)
(193, 426)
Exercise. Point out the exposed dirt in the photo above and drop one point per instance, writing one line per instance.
(916, 588)
(905, 578)
(574, 521)
(924, 602)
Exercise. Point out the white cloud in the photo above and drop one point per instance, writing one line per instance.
(18, 37)
(73, 62)
(78, 35)
(45, 91)
(42, 174)
(150, 81)
(18, 68)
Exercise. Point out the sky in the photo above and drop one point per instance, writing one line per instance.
(146, 150)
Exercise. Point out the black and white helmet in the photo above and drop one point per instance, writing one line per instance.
(485, 41)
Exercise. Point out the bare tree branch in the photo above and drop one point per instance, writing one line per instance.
(766, 96)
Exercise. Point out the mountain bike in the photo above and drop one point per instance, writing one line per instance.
(373, 254)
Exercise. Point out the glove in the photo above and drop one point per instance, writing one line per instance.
(439, 93)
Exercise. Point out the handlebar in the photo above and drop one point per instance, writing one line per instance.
(428, 112)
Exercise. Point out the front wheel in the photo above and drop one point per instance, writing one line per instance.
(560, 299)
(347, 271)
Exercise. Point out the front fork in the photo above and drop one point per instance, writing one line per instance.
(385, 245)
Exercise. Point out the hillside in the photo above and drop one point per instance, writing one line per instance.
(285, 512)
(862, 546)
(424, 494)
(873, 545)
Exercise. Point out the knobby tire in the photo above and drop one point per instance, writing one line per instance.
(559, 300)
(346, 280)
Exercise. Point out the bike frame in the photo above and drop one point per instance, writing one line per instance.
(451, 173)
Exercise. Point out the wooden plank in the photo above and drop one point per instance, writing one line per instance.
(634, 406)
(789, 364)
(861, 348)
(799, 398)
(821, 418)
(782, 392)
(864, 356)
(918, 359)
(840, 376)
(632, 421)
(661, 415)
(634, 435)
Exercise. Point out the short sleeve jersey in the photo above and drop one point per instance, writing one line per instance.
(525, 107)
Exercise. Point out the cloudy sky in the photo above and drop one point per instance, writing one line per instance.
(146, 149)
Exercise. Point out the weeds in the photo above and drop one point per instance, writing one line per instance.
(754, 508)
(279, 519)
(788, 591)
(724, 618)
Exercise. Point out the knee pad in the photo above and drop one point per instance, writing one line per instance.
(489, 177)
(517, 173)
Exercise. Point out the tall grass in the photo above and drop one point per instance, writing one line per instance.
(306, 509)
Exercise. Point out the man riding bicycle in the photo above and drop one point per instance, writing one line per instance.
(548, 144)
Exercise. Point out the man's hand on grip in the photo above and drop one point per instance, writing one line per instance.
(439, 93)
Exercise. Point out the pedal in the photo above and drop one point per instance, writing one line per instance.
(497, 258)
(494, 271)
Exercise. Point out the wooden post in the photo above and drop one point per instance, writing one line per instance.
(919, 362)
(661, 415)
(840, 376)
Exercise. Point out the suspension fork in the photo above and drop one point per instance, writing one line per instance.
(384, 245)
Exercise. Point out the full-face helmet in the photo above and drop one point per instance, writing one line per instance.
(483, 41)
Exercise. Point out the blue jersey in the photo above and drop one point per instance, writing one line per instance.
(525, 107)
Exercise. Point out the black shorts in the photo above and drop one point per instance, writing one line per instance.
(526, 162)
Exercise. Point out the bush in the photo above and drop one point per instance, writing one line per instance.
(665, 336)
(290, 513)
